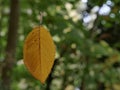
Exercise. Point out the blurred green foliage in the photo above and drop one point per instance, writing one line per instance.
(88, 54)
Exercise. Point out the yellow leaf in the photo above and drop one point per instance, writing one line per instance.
(39, 53)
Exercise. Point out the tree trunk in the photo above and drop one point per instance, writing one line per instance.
(11, 45)
(50, 78)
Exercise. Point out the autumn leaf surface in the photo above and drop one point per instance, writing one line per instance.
(39, 53)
